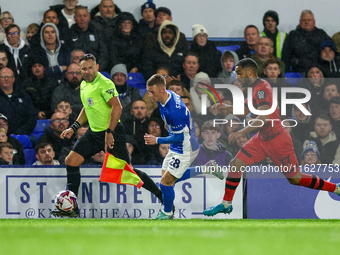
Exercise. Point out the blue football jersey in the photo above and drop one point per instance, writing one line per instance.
(178, 119)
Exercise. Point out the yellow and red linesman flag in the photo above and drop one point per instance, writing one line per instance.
(118, 171)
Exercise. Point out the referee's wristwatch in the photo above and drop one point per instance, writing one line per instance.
(109, 131)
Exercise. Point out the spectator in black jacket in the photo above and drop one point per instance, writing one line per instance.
(191, 66)
(105, 15)
(69, 89)
(59, 122)
(325, 139)
(40, 88)
(126, 43)
(136, 123)
(148, 22)
(87, 37)
(301, 47)
(329, 59)
(16, 105)
(166, 53)
(209, 56)
(251, 35)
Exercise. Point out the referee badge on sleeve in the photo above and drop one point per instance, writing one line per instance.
(90, 101)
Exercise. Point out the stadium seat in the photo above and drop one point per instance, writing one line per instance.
(231, 48)
(137, 80)
(25, 141)
(107, 75)
(293, 78)
(30, 156)
(41, 125)
(37, 136)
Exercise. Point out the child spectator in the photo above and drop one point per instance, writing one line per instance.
(6, 154)
(228, 61)
(3, 135)
(211, 148)
(310, 154)
(177, 87)
(65, 107)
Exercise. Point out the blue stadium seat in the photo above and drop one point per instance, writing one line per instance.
(37, 136)
(25, 141)
(136, 80)
(30, 156)
(293, 78)
(231, 48)
(107, 75)
(41, 125)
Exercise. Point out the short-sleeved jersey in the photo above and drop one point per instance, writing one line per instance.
(94, 96)
(263, 95)
(178, 119)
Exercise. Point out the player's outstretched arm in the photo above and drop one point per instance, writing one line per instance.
(230, 108)
(175, 138)
(256, 124)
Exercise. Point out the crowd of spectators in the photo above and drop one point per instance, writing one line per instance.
(40, 79)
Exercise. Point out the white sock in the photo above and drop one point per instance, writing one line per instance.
(167, 213)
(226, 203)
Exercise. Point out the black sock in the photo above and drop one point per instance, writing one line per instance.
(149, 184)
(73, 178)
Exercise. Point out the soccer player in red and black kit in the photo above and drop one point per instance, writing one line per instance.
(271, 140)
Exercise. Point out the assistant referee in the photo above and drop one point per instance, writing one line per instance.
(102, 109)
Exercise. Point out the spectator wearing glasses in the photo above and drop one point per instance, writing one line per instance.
(69, 89)
(16, 105)
(59, 122)
(6, 19)
(19, 51)
(40, 88)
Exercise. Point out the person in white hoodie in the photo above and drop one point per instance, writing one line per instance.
(56, 56)
(19, 51)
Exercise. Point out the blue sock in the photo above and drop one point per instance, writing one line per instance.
(190, 172)
(168, 194)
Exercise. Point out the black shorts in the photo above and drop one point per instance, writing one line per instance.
(93, 142)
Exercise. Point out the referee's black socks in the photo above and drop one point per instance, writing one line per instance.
(73, 178)
(149, 184)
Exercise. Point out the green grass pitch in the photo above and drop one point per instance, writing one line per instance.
(174, 237)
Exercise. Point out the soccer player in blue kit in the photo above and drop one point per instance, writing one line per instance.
(184, 146)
